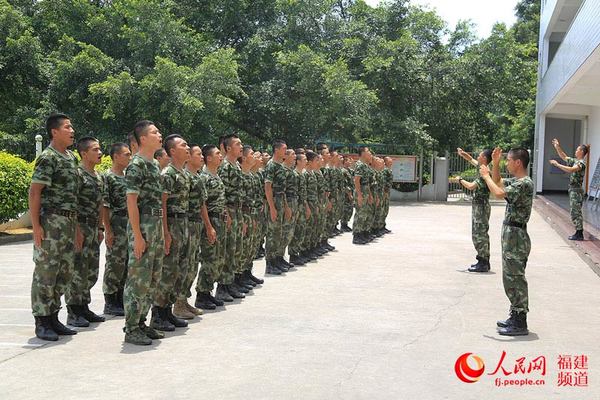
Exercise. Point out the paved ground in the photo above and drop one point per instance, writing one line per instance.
(386, 320)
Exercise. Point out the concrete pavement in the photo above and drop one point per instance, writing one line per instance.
(387, 320)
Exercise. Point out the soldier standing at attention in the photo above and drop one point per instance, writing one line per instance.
(291, 198)
(258, 212)
(296, 245)
(53, 207)
(275, 185)
(313, 163)
(388, 181)
(115, 223)
(362, 193)
(145, 231)
(90, 198)
(480, 214)
(576, 167)
(134, 147)
(162, 157)
(348, 207)
(212, 254)
(516, 245)
(247, 163)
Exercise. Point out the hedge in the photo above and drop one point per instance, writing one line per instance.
(15, 177)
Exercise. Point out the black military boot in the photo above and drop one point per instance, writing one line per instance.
(328, 246)
(240, 288)
(236, 294)
(120, 301)
(284, 262)
(58, 326)
(43, 329)
(244, 280)
(506, 322)
(336, 231)
(345, 227)
(204, 302)
(578, 235)
(261, 251)
(111, 305)
(90, 315)
(216, 302)
(295, 259)
(271, 269)
(358, 238)
(177, 322)
(75, 316)
(386, 230)
(159, 320)
(517, 325)
(256, 280)
(277, 264)
(247, 279)
(223, 294)
(483, 265)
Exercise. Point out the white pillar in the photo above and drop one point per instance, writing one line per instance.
(38, 145)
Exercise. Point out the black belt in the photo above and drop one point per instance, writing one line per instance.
(56, 211)
(515, 224)
(155, 212)
(91, 221)
(120, 213)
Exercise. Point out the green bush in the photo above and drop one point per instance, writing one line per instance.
(15, 177)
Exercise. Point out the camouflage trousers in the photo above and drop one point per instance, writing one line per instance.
(275, 239)
(362, 216)
(143, 275)
(385, 210)
(323, 220)
(290, 225)
(87, 267)
(257, 236)
(233, 246)
(249, 240)
(115, 269)
(311, 232)
(54, 262)
(516, 246)
(347, 209)
(175, 264)
(212, 256)
(576, 197)
(196, 230)
(480, 224)
(297, 244)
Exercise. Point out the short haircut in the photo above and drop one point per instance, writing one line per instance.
(207, 151)
(362, 149)
(299, 156)
(116, 148)
(278, 143)
(140, 129)
(247, 148)
(131, 139)
(170, 142)
(585, 148)
(159, 153)
(521, 154)
(84, 143)
(321, 147)
(311, 155)
(195, 145)
(487, 153)
(300, 150)
(221, 140)
(227, 139)
(289, 151)
(54, 121)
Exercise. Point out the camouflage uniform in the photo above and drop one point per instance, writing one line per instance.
(291, 197)
(388, 180)
(143, 178)
(516, 244)
(576, 192)
(197, 199)
(313, 200)
(54, 261)
(262, 215)
(361, 216)
(257, 216)
(232, 177)
(87, 262)
(276, 174)
(480, 219)
(115, 269)
(176, 184)
(248, 215)
(348, 185)
(297, 244)
(212, 256)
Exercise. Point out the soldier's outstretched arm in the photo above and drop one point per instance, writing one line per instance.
(467, 157)
(559, 149)
(566, 168)
(495, 189)
(496, 177)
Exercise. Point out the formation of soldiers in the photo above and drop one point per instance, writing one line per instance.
(172, 213)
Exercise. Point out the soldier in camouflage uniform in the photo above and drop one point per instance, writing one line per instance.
(311, 235)
(146, 236)
(232, 177)
(291, 197)
(275, 185)
(480, 214)
(297, 245)
(175, 204)
(115, 222)
(362, 196)
(516, 245)
(212, 254)
(53, 207)
(576, 167)
(197, 214)
(90, 198)
(348, 186)
(388, 179)
(243, 283)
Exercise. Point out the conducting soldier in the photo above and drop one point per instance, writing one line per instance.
(480, 214)
(146, 243)
(90, 198)
(516, 245)
(115, 223)
(576, 167)
(53, 208)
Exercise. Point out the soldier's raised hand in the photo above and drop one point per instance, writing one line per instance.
(484, 170)
(555, 143)
(496, 155)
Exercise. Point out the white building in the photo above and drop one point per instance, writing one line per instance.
(568, 99)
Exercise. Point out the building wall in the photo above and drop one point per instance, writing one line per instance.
(568, 133)
(593, 138)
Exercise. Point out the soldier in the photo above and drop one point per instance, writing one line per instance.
(145, 231)
(348, 185)
(232, 177)
(162, 157)
(115, 222)
(291, 198)
(388, 179)
(197, 218)
(324, 182)
(297, 247)
(258, 211)
(175, 205)
(480, 214)
(90, 198)
(576, 167)
(248, 249)
(362, 196)
(53, 208)
(314, 197)
(275, 185)
(516, 245)
(212, 255)
(133, 145)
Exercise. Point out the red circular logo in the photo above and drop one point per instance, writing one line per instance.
(464, 372)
